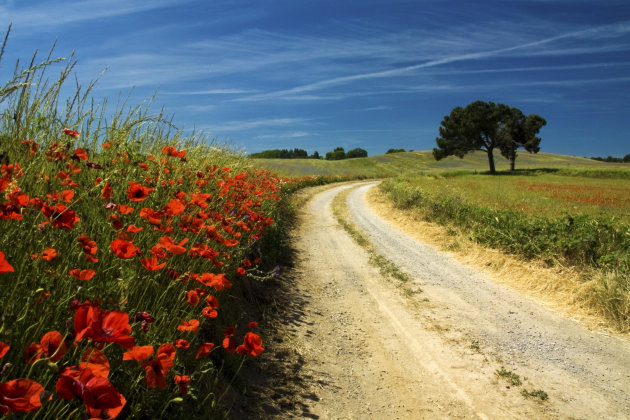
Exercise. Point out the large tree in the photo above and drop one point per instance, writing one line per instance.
(517, 131)
(487, 126)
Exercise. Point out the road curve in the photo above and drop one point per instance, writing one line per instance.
(586, 373)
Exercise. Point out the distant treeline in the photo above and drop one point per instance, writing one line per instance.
(625, 159)
(284, 154)
(338, 154)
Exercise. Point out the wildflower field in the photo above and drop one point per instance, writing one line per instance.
(122, 249)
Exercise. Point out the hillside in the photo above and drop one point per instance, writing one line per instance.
(410, 163)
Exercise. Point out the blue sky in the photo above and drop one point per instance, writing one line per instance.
(375, 74)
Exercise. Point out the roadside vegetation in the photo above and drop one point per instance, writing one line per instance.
(127, 257)
(576, 217)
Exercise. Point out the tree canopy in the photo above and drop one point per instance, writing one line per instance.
(487, 126)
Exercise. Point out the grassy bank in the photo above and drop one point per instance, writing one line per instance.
(571, 220)
(127, 256)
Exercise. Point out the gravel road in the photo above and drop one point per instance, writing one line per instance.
(355, 346)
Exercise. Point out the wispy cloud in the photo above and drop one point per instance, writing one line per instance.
(251, 124)
(292, 135)
(598, 32)
(56, 13)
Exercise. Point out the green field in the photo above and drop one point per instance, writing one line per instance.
(416, 163)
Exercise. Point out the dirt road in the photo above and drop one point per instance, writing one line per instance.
(352, 345)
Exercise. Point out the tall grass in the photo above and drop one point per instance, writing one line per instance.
(125, 252)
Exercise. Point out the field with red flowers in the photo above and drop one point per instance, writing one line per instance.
(124, 254)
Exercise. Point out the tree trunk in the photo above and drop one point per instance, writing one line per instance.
(491, 161)
(512, 161)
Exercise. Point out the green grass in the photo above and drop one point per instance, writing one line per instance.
(422, 162)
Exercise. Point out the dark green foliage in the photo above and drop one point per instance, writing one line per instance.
(625, 159)
(487, 126)
(281, 154)
(356, 153)
(395, 151)
(337, 154)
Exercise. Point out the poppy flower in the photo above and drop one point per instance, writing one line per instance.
(171, 246)
(82, 274)
(175, 207)
(4, 348)
(49, 254)
(204, 350)
(89, 248)
(123, 249)
(106, 192)
(79, 153)
(53, 345)
(33, 353)
(125, 209)
(137, 192)
(20, 396)
(152, 264)
(5, 267)
(134, 229)
(252, 325)
(252, 345)
(61, 216)
(209, 312)
(182, 382)
(71, 133)
(228, 341)
(156, 369)
(192, 325)
(192, 297)
(102, 326)
(138, 353)
(180, 343)
(102, 399)
(240, 271)
(96, 361)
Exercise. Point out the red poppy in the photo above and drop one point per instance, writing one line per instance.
(125, 209)
(137, 192)
(175, 207)
(152, 264)
(106, 192)
(192, 325)
(71, 133)
(4, 348)
(33, 353)
(182, 382)
(89, 248)
(61, 216)
(53, 345)
(218, 281)
(171, 246)
(240, 271)
(157, 368)
(102, 399)
(180, 343)
(82, 274)
(102, 326)
(252, 345)
(209, 312)
(192, 297)
(138, 353)
(252, 325)
(123, 249)
(49, 254)
(20, 396)
(96, 361)
(204, 350)
(80, 153)
(228, 342)
(151, 216)
(5, 267)
(134, 229)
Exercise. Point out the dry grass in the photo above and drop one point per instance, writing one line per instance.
(565, 290)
